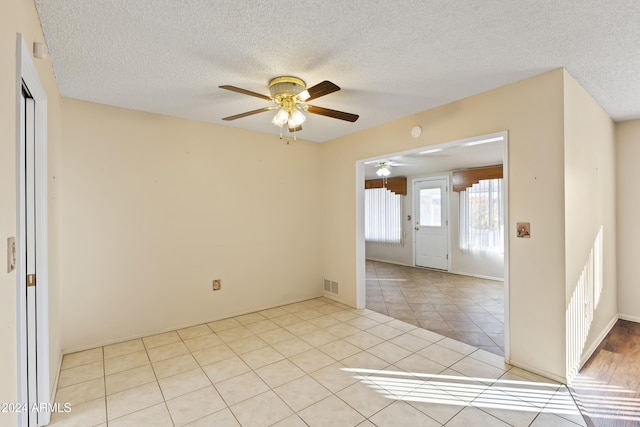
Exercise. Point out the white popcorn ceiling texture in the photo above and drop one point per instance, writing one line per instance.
(391, 59)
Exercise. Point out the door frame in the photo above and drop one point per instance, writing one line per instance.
(360, 261)
(26, 72)
(447, 215)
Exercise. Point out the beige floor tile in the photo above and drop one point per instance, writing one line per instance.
(334, 377)
(286, 320)
(458, 346)
(194, 332)
(275, 335)
(312, 360)
(183, 383)
(389, 352)
(203, 341)
(327, 411)
(292, 346)
(262, 410)
(364, 360)
(133, 399)
(475, 417)
(156, 416)
(324, 321)
(362, 322)
(427, 335)
(126, 362)
(241, 387)
(302, 392)
(85, 414)
(262, 326)
(385, 332)
(224, 324)
(261, 357)
(364, 398)
(319, 337)
(339, 349)
(363, 340)
(234, 334)
(124, 380)
(403, 326)
(210, 355)
(308, 313)
(195, 405)
(475, 368)
(342, 330)
(436, 405)
(161, 339)
(442, 355)
(279, 373)
(222, 418)
(245, 345)
(291, 421)
(175, 365)
(82, 358)
(80, 374)
(410, 342)
(402, 414)
(344, 316)
(225, 369)
(301, 328)
(120, 349)
(420, 366)
(168, 351)
(245, 319)
(81, 392)
(329, 308)
(273, 312)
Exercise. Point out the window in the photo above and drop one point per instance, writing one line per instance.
(382, 216)
(482, 217)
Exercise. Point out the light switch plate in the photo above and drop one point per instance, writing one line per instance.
(11, 254)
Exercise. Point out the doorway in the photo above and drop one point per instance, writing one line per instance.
(441, 161)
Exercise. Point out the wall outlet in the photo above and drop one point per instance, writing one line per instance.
(216, 284)
(11, 254)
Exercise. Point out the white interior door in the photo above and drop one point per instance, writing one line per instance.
(32, 266)
(431, 231)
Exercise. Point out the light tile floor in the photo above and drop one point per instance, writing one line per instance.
(464, 308)
(313, 363)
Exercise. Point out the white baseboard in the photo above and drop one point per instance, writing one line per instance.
(390, 262)
(479, 276)
(635, 319)
(543, 373)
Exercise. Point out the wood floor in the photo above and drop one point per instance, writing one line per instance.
(607, 389)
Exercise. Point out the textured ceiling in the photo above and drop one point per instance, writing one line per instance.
(391, 59)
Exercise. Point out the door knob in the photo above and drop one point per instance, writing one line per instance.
(417, 228)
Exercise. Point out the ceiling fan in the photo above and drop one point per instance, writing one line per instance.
(290, 96)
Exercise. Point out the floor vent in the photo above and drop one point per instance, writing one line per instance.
(331, 286)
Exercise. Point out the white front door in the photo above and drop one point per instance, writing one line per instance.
(431, 230)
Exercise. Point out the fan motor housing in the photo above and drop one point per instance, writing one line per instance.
(286, 86)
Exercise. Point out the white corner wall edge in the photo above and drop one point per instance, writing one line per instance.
(586, 354)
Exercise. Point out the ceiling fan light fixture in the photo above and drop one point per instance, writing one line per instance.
(383, 170)
(281, 117)
(296, 118)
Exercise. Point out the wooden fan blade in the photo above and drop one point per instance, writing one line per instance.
(333, 113)
(245, 91)
(296, 129)
(248, 113)
(321, 89)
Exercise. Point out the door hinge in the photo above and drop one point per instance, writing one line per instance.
(31, 280)
(447, 256)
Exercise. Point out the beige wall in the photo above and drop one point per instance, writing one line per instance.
(19, 16)
(589, 199)
(628, 212)
(154, 208)
(532, 112)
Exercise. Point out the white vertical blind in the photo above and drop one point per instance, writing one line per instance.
(383, 216)
(482, 217)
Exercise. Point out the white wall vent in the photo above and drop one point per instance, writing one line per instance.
(331, 286)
